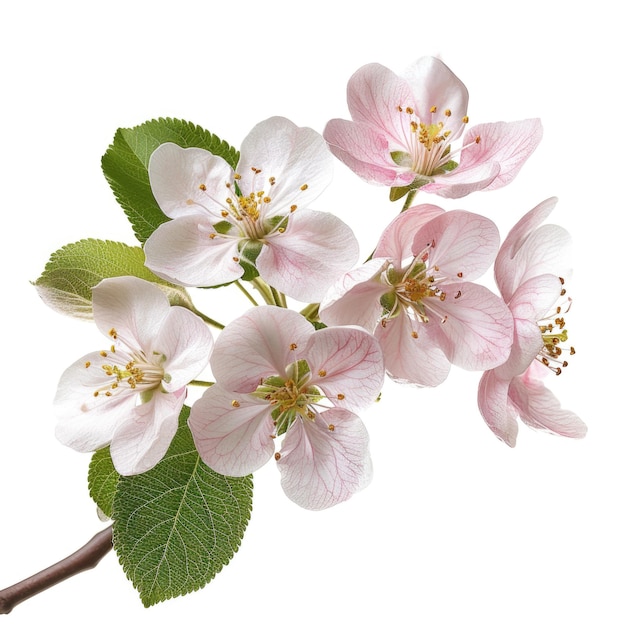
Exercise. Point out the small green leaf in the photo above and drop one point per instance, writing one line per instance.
(69, 276)
(177, 525)
(125, 165)
(102, 480)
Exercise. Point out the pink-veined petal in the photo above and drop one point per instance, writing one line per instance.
(476, 327)
(257, 345)
(374, 95)
(320, 466)
(355, 298)
(142, 440)
(133, 307)
(292, 156)
(177, 174)
(86, 419)
(539, 408)
(315, 249)
(509, 144)
(186, 342)
(232, 432)
(347, 364)
(183, 252)
(396, 242)
(462, 245)
(434, 85)
(458, 184)
(410, 355)
(493, 403)
(531, 250)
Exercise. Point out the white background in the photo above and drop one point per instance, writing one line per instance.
(456, 528)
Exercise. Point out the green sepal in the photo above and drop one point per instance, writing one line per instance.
(125, 166)
(177, 525)
(65, 284)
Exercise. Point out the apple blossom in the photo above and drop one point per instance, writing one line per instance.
(403, 133)
(416, 296)
(130, 395)
(275, 375)
(530, 270)
(224, 219)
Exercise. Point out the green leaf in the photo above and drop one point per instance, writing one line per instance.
(102, 480)
(177, 525)
(125, 165)
(70, 274)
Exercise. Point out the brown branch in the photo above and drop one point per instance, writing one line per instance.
(83, 559)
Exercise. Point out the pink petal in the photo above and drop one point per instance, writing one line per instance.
(141, 441)
(410, 359)
(315, 249)
(374, 95)
(476, 327)
(396, 242)
(133, 307)
(321, 467)
(435, 85)
(176, 175)
(531, 250)
(509, 144)
(462, 245)
(365, 150)
(183, 252)
(493, 403)
(539, 408)
(186, 342)
(355, 298)
(232, 440)
(458, 184)
(291, 155)
(257, 345)
(347, 364)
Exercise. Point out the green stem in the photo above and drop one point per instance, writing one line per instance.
(201, 383)
(279, 298)
(311, 312)
(246, 293)
(264, 289)
(409, 200)
(208, 320)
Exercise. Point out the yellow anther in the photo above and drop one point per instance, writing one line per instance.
(331, 427)
(87, 363)
(433, 109)
(341, 396)
(304, 187)
(202, 187)
(235, 404)
(277, 456)
(321, 373)
(293, 346)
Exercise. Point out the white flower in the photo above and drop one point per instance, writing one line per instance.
(131, 394)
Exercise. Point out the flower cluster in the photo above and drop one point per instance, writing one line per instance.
(412, 310)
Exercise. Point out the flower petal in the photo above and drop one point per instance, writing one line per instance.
(460, 244)
(509, 144)
(133, 307)
(177, 174)
(321, 467)
(539, 408)
(142, 440)
(410, 354)
(355, 298)
(183, 252)
(493, 403)
(347, 364)
(315, 249)
(257, 345)
(476, 327)
(186, 342)
(293, 156)
(232, 431)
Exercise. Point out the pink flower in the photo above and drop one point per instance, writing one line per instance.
(130, 396)
(404, 131)
(223, 220)
(530, 271)
(275, 375)
(417, 297)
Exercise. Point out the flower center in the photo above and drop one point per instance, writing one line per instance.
(554, 335)
(427, 142)
(138, 374)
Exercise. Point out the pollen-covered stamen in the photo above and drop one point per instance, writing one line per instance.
(137, 374)
(413, 287)
(428, 139)
(554, 334)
